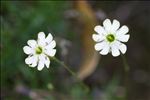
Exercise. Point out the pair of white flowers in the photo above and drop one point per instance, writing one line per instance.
(109, 39)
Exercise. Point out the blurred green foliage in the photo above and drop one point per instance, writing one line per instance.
(21, 21)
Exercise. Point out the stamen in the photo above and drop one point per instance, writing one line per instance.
(38, 50)
(110, 37)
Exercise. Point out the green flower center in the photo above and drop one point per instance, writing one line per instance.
(38, 50)
(110, 37)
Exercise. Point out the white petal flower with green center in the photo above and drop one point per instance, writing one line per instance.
(39, 51)
(110, 38)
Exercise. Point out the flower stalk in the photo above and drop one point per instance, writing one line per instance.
(64, 65)
(126, 69)
(71, 72)
(126, 66)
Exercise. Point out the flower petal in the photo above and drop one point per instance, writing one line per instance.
(100, 30)
(115, 50)
(49, 38)
(41, 43)
(29, 60)
(99, 46)
(40, 65)
(123, 38)
(97, 37)
(27, 50)
(41, 62)
(105, 49)
(107, 25)
(41, 39)
(47, 62)
(50, 46)
(41, 35)
(34, 61)
(123, 48)
(53, 44)
(50, 52)
(115, 25)
(123, 30)
(32, 43)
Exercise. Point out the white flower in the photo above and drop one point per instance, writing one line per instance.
(110, 38)
(39, 51)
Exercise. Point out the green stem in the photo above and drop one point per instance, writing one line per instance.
(71, 72)
(126, 69)
(126, 66)
(65, 66)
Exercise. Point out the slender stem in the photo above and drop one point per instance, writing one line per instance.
(126, 66)
(65, 66)
(126, 69)
(71, 72)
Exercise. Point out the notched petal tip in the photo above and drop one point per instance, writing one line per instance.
(107, 25)
(39, 69)
(96, 28)
(29, 60)
(126, 29)
(40, 66)
(115, 25)
(27, 50)
(100, 30)
(53, 44)
(123, 38)
(41, 35)
(96, 47)
(123, 30)
(95, 37)
(49, 38)
(128, 37)
(102, 53)
(123, 48)
(32, 43)
(107, 20)
(115, 54)
(41, 32)
(53, 52)
(105, 50)
(47, 62)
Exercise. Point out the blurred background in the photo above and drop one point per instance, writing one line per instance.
(72, 23)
